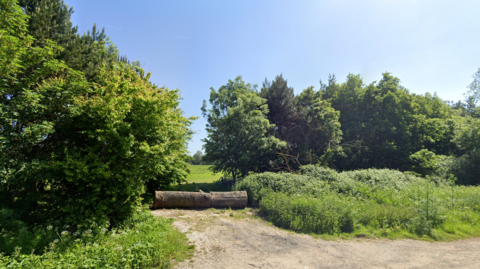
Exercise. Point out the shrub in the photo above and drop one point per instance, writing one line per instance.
(280, 182)
(329, 215)
(382, 201)
(319, 172)
(142, 241)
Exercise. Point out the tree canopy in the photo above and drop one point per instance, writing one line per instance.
(346, 126)
(238, 139)
(76, 147)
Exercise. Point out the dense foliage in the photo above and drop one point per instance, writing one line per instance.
(84, 135)
(73, 148)
(237, 131)
(381, 202)
(352, 125)
(141, 241)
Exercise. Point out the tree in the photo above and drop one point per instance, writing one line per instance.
(316, 132)
(383, 124)
(51, 20)
(467, 164)
(281, 105)
(237, 139)
(472, 98)
(197, 157)
(73, 150)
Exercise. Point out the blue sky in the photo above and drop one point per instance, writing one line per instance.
(431, 45)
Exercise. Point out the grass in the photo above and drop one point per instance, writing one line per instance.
(365, 203)
(201, 174)
(200, 178)
(143, 241)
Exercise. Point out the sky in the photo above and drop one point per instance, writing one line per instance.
(431, 45)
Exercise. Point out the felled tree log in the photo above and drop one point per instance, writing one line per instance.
(233, 199)
(181, 199)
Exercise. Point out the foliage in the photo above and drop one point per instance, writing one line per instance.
(383, 124)
(431, 164)
(14, 42)
(142, 241)
(237, 131)
(50, 20)
(317, 132)
(472, 97)
(379, 202)
(280, 100)
(328, 215)
(73, 150)
(466, 166)
(197, 157)
(308, 124)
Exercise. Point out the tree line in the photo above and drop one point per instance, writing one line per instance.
(343, 125)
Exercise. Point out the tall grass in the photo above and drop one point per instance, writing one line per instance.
(378, 202)
(142, 241)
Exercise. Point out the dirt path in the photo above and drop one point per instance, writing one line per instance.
(236, 239)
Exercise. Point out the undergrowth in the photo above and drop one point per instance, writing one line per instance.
(373, 202)
(142, 241)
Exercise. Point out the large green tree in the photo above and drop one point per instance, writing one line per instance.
(383, 124)
(307, 124)
(316, 134)
(73, 149)
(238, 139)
(281, 105)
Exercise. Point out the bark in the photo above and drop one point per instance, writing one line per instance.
(180, 199)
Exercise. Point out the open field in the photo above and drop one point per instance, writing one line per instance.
(201, 174)
(200, 178)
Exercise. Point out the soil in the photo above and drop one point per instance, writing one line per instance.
(239, 239)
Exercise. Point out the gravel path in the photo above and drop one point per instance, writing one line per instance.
(237, 239)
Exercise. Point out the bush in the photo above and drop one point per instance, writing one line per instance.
(319, 172)
(380, 201)
(328, 215)
(142, 241)
(280, 182)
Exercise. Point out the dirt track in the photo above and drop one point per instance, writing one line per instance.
(242, 241)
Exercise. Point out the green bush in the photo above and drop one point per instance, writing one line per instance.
(142, 241)
(73, 150)
(328, 215)
(319, 172)
(280, 182)
(380, 201)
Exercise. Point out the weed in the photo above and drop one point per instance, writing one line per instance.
(139, 242)
(382, 202)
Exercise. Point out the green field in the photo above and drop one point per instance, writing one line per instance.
(201, 174)
(200, 178)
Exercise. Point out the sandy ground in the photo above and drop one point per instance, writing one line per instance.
(238, 239)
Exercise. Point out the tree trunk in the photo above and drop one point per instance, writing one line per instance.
(180, 199)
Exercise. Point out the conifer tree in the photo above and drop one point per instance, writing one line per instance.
(51, 20)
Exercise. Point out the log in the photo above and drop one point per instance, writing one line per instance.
(181, 199)
(233, 199)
